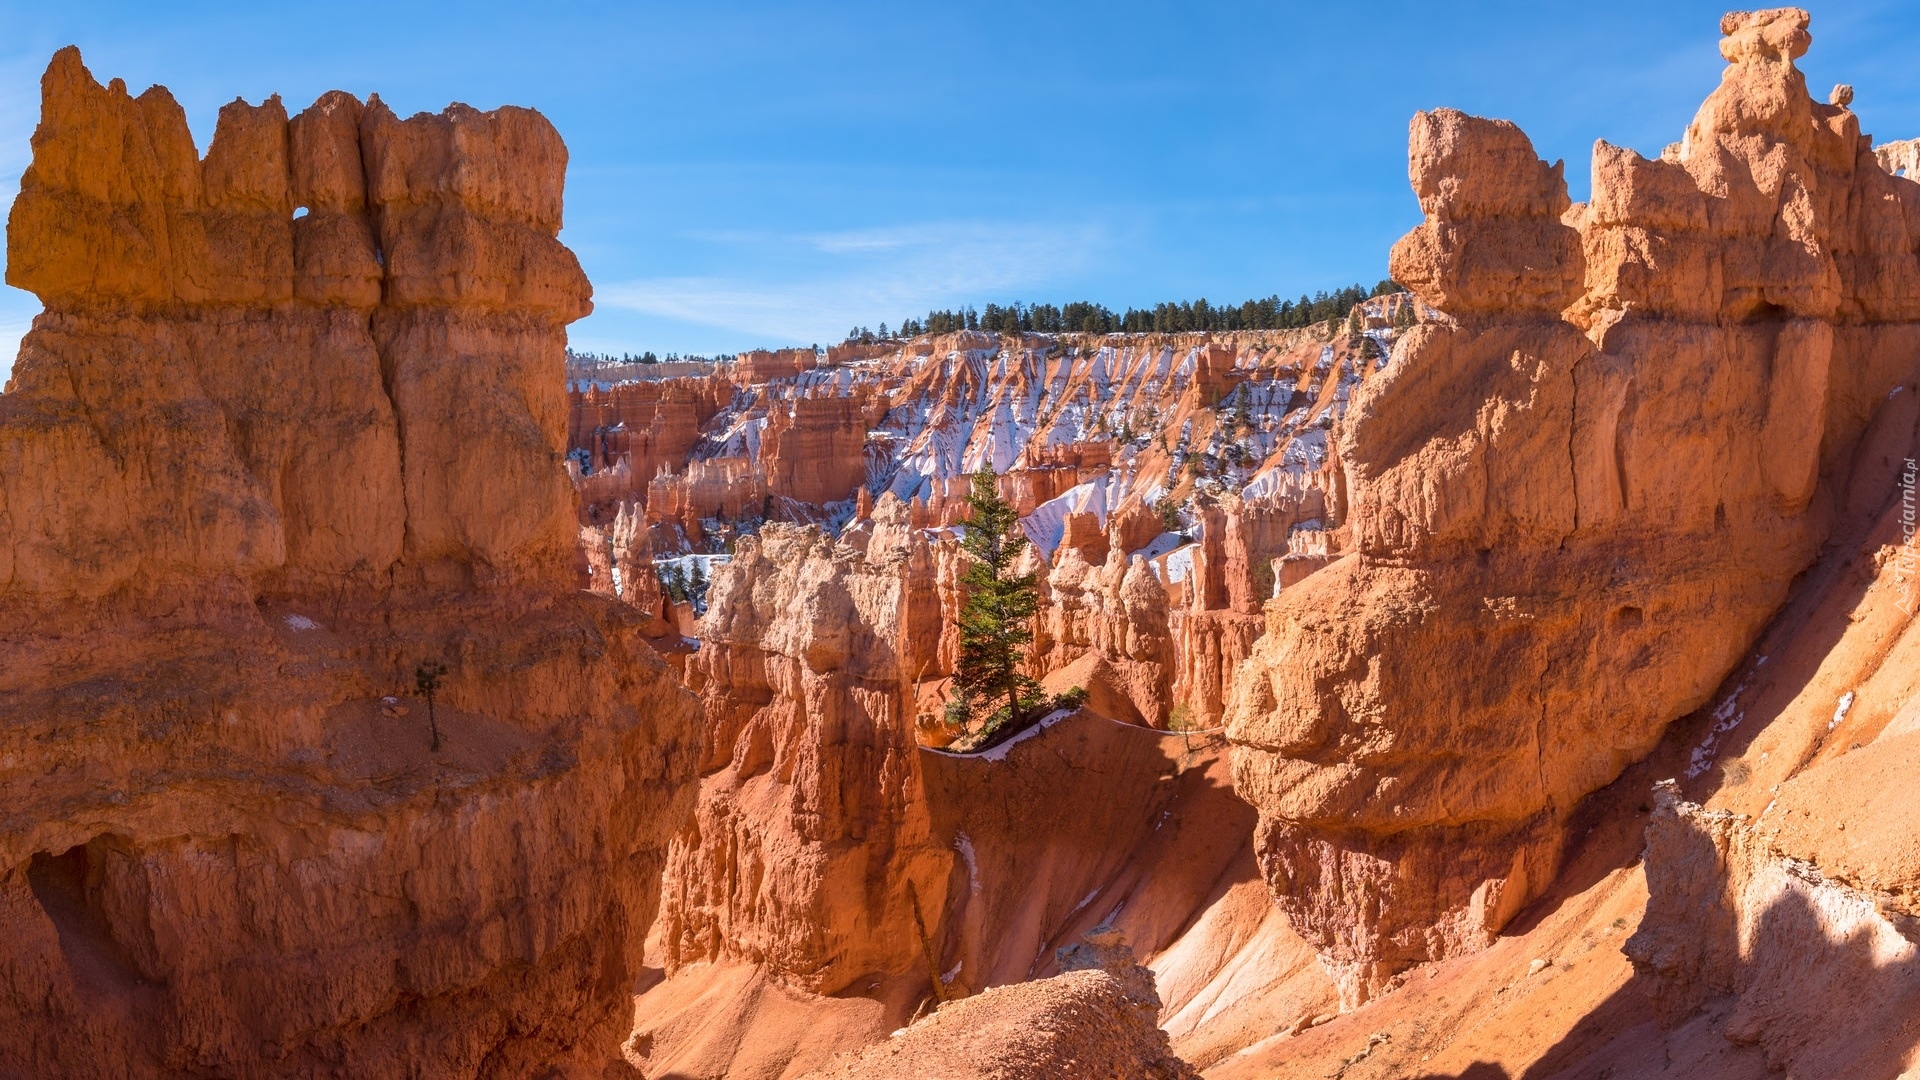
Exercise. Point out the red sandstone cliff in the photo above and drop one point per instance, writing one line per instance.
(1752, 915)
(810, 867)
(291, 424)
(1575, 501)
(811, 838)
(1567, 512)
(789, 930)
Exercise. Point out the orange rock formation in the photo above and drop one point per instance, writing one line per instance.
(625, 434)
(1751, 917)
(290, 425)
(1575, 502)
(1632, 501)
(812, 838)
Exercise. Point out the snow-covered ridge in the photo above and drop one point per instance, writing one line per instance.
(1074, 424)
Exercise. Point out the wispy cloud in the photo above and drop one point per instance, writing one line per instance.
(826, 282)
(896, 238)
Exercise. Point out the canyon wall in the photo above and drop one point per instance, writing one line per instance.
(1100, 442)
(812, 846)
(291, 426)
(621, 436)
(1511, 544)
(790, 932)
(1739, 904)
(1575, 500)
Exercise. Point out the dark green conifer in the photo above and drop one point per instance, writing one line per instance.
(996, 620)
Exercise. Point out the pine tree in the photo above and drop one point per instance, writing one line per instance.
(996, 621)
(1169, 512)
(676, 582)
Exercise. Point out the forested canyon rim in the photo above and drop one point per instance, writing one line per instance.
(1610, 496)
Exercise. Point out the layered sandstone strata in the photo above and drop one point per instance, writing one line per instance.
(619, 560)
(1105, 629)
(1576, 501)
(780, 946)
(291, 425)
(1096, 439)
(811, 851)
(1763, 897)
(838, 878)
(624, 435)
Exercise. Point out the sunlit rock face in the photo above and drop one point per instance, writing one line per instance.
(1095, 438)
(1096, 1018)
(812, 844)
(835, 866)
(290, 427)
(1575, 501)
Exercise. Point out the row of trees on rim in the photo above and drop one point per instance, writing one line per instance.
(648, 357)
(1271, 313)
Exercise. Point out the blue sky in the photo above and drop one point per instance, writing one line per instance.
(768, 174)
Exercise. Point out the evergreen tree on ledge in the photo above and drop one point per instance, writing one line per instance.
(996, 622)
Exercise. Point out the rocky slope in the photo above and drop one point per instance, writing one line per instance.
(291, 425)
(1095, 1018)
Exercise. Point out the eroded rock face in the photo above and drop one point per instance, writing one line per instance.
(1575, 503)
(820, 812)
(1104, 628)
(1095, 437)
(625, 434)
(620, 563)
(290, 425)
(812, 842)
